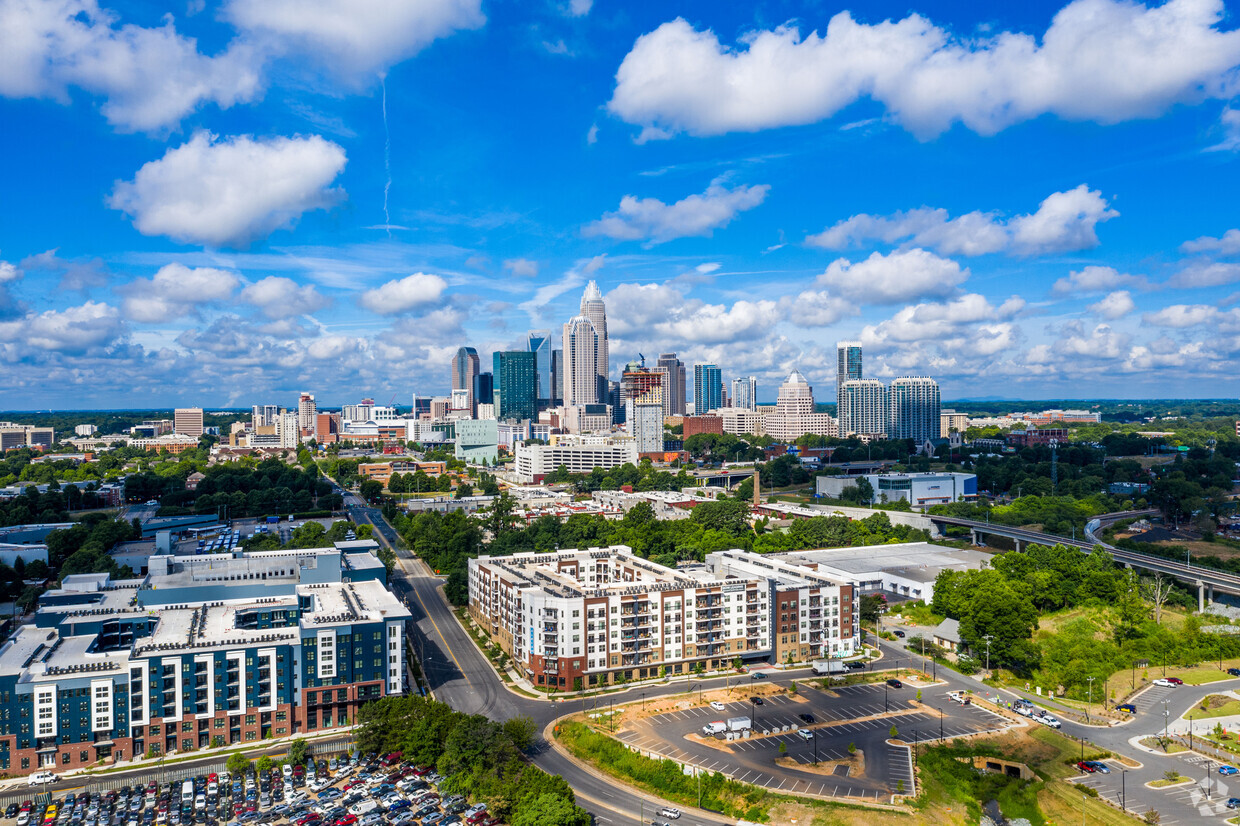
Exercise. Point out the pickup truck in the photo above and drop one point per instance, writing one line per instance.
(961, 697)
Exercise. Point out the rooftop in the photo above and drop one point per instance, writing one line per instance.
(918, 561)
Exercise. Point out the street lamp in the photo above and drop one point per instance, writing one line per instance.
(940, 724)
(1090, 701)
(885, 706)
(988, 638)
(1123, 790)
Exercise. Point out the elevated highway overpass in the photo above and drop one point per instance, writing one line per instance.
(1207, 580)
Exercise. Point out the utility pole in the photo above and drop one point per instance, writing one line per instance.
(1090, 701)
(988, 638)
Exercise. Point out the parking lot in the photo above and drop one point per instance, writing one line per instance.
(859, 715)
(1207, 794)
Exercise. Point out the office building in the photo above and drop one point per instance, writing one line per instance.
(587, 418)
(950, 420)
(25, 435)
(913, 410)
(557, 377)
(740, 421)
(201, 651)
(359, 412)
(539, 343)
(862, 408)
(794, 414)
(465, 366)
(596, 616)
(85, 430)
(707, 388)
(918, 489)
(515, 384)
(262, 415)
(288, 430)
(847, 368)
(694, 425)
(581, 376)
(484, 392)
(644, 421)
(674, 386)
(187, 421)
(593, 308)
(306, 411)
(745, 393)
(580, 454)
(327, 427)
(477, 441)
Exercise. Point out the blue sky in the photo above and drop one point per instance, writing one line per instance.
(1033, 205)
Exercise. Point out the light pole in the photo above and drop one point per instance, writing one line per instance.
(988, 638)
(885, 707)
(1190, 732)
(1123, 790)
(1090, 701)
(1166, 721)
(940, 724)
(1209, 765)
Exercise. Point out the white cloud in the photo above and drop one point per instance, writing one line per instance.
(150, 78)
(1095, 279)
(654, 221)
(522, 267)
(903, 275)
(353, 38)
(1206, 274)
(176, 290)
(718, 323)
(73, 329)
(1183, 315)
(1100, 60)
(1115, 305)
(76, 275)
(1064, 221)
(280, 297)
(579, 8)
(1229, 244)
(818, 308)
(536, 306)
(231, 192)
(404, 294)
(9, 272)
(708, 267)
(1229, 125)
(592, 134)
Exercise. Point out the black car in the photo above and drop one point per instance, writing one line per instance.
(807, 718)
(898, 633)
(1235, 672)
(11, 811)
(756, 700)
(1233, 803)
(894, 683)
(854, 664)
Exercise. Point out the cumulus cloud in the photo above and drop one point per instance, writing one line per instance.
(654, 221)
(1229, 244)
(1115, 305)
(176, 290)
(1064, 221)
(1183, 315)
(280, 297)
(71, 330)
(818, 308)
(1095, 279)
(353, 38)
(9, 272)
(522, 267)
(232, 192)
(149, 78)
(404, 294)
(76, 275)
(903, 275)
(579, 8)
(1100, 60)
(1205, 274)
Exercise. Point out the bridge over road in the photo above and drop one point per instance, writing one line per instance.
(1207, 580)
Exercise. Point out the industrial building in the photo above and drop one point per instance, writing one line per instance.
(906, 570)
(918, 489)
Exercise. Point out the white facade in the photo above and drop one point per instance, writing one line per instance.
(740, 421)
(85, 430)
(306, 411)
(644, 421)
(593, 308)
(745, 393)
(288, 431)
(580, 456)
(580, 362)
(794, 414)
(862, 407)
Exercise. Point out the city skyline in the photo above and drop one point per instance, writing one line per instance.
(458, 177)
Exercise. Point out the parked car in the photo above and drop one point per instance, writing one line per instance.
(807, 719)
(1099, 766)
(1086, 766)
(1235, 672)
(756, 700)
(1166, 682)
(1175, 681)
(1228, 770)
(899, 633)
(894, 683)
(716, 705)
(1126, 708)
(805, 734)
(1233, 802)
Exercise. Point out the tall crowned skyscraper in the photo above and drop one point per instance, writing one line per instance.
(465, 366)
(585, 351)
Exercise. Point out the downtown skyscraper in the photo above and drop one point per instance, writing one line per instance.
(707, 388)
(465, 367)
(585, 351)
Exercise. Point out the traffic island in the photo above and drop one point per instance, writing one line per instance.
(852, 766)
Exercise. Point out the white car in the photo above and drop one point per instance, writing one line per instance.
(805, 734)
(39, 778)
(717, 706)
(671, 814)
(1162, 682)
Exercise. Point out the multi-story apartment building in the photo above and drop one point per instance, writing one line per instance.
(950, 420)
(745, 393)
(913, 409)
(707, 388)
(201, 651)
(862, 408)
(588, 617)
(307, 410)
(578, 454)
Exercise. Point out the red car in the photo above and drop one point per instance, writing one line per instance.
(309, 819)
(392, 758)
(476, 818)
(421, 771)
(1175, 681)
(347, 820)
(1085, 767)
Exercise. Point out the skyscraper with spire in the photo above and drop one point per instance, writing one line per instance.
(585, 351)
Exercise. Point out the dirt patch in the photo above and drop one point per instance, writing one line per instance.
(855, 764)
(1214, 701)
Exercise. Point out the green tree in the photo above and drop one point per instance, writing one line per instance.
(551, 810)
(297, 751)
(238, 764)
(264, 763)
(521, 731)
(371, 490)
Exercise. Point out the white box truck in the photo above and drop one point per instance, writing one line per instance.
(824, 667)
(739, 724)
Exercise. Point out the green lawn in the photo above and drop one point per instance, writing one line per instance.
(1226, 709)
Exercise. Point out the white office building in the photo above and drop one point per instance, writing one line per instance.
(644, 420)
(580, 454)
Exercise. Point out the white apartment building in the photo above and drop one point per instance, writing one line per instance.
(644, 422)
(740, 420)
(580, 454)
(862, 408)
(584, 618)
(745, 393)
(288, 430)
